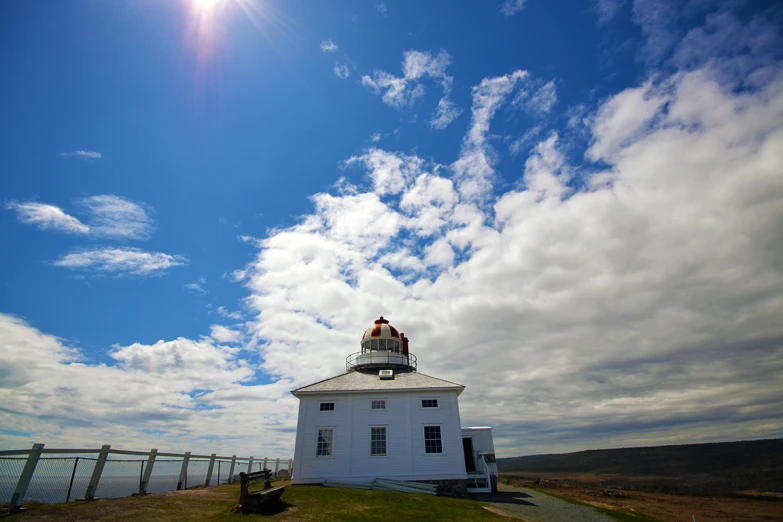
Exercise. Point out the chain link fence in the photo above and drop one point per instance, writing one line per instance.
(56, 479)
(165, 475)
(66, 478)
(10, 469)
(120, 478)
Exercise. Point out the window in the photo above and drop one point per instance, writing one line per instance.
(432, 442)
(378, 440)
(374, 345)
(429, 403)
(378, 404)
(327, 406)
(325, 438)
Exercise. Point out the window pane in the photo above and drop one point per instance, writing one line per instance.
(378, 441)
(324, 446)
(432, 442)
(429, 403)
(327, 406)
(378, 405)
(375, 345)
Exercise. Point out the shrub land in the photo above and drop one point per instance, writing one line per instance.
(751, 469)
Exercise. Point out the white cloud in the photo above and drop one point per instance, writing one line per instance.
(389, 172)
(623, 118)
(223, 334)
(445, 113)
(224, 312)
(401, 92)
(641, 309)
(189, 390)
(196, 288)
(535, 97)
(342, 71)
(607, 9)
(381, 8)
(47, 217)
(108, 216)
(113, 216)
(520, 143)
(120, 261)
(473, 170)
(328, 46)
(82, 154)
(511, 7)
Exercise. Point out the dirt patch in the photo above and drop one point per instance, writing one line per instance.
(658, 505)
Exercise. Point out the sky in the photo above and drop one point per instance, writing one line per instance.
(575, 211)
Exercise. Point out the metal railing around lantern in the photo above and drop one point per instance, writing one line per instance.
(380, 359)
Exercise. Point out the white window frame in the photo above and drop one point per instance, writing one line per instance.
(331, 442)
(334, 408)
(385, 440)
(421, 403)
(424, 439)
(376, 400)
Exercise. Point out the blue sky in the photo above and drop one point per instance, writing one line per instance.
(577, 202)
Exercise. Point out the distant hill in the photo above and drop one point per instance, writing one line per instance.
(721, 466)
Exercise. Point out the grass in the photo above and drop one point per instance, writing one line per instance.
(302, 503)
(622, 515)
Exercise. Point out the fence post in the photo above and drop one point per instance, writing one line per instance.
(145, 482)
(277, 466)
(24, 478)
(183, 474)
(70, 484)
(231, 470)
(290, 466)
(96, 472)
(218, 479)
(209, 470)
(250, 465)
(265, 460)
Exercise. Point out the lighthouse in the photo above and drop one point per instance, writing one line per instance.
(383, 418)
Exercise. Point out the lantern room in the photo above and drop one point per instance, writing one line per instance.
(382, 347)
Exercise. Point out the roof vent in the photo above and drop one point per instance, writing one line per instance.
(386, 374)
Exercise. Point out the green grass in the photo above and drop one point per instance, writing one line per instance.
(623, 515)
(311, 503)
(361, 505)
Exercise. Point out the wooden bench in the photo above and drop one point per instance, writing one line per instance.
(252, 499)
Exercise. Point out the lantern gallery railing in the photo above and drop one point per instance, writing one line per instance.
(97, 473)
(380, 360)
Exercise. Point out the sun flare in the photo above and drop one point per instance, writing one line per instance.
(206, 4)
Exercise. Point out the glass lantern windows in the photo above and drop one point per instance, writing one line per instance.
(381, 345)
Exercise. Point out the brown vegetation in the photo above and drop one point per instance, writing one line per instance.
(586, 488)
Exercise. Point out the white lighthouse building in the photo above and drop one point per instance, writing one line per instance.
(384, 419)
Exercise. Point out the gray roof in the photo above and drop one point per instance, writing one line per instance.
(359, 381)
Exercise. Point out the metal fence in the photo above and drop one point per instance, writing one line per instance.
(87, 474)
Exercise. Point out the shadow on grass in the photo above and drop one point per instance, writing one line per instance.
(504, 497)
(270, 509)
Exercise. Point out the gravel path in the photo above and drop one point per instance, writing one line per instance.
(538, 507)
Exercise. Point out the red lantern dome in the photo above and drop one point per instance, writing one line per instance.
(382, 346)
(382, 329)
